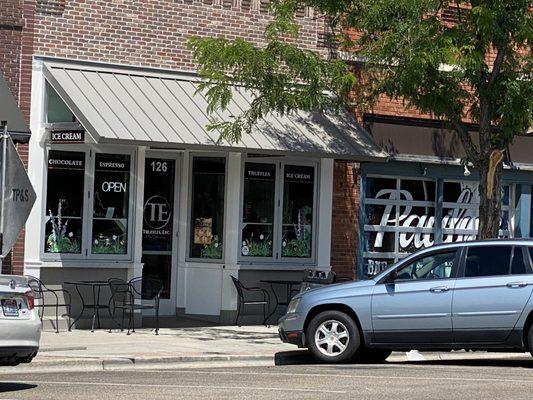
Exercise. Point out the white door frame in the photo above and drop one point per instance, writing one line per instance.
(168, 306)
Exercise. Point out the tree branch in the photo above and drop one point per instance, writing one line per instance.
(464, 136)
(496, 66)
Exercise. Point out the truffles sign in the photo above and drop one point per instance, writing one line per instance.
(70, 136)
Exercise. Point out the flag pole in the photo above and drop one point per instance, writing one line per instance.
(5, 136)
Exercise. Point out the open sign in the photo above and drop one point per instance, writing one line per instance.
(117, 187)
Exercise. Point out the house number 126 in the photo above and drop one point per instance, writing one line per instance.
(159, 166)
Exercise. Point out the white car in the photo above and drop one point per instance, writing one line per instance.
(20, 326)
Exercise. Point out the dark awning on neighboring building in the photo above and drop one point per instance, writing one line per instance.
(11, 114)
(164, 109)
(427, 141)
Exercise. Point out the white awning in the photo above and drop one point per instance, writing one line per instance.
(164, 110)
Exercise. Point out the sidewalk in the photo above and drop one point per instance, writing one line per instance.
(186, 347)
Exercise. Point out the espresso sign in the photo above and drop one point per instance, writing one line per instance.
(70, 136)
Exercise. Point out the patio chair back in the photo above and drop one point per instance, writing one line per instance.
(238, 286)
(36, 287)
(147, 288)
(120, 291)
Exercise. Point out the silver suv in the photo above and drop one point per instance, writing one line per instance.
(471, 295)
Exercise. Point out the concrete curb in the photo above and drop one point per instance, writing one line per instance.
(300, 357)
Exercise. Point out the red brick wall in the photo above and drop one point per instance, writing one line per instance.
(16, 38)
(345, 218)
(150, 32)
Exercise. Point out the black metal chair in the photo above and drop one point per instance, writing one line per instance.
(39, 292)
(120, 299)
(133, 295)
(241, 290)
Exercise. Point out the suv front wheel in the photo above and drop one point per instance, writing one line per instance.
(333, 337)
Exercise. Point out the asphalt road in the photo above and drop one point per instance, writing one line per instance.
(476, 379)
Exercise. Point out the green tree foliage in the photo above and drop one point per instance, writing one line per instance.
(476, 69)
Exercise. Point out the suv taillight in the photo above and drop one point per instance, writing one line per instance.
(30, 300)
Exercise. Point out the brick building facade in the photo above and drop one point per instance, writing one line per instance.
(150, 34)
(146, 41)
(16, 44)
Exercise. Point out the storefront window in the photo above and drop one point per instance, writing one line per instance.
(64, 202)
(111, 204)
(400, 217)
(460, 220)
(258, 209)
(278, 211)
(298, 196)
(56, 109)
(208, 181)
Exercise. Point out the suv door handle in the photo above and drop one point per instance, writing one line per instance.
(513, 285)
(439, 289)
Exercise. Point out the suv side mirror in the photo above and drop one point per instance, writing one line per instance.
(392, 277)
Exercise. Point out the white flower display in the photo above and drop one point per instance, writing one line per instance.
(70, 234)
(114, 237)
(261, 236)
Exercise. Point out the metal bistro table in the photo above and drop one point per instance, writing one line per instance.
(96, 287)
(289, 284)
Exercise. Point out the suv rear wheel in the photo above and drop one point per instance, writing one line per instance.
(333, 337)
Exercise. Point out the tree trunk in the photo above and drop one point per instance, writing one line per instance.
(490, 205)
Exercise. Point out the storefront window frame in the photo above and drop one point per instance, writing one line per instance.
(277, 258)
(190, 224)
(131, 201)
(90, 152)
(439, 231)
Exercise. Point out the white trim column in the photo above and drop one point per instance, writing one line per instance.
(136, 269)
(36, 171)
(231, 231)
(325, 204)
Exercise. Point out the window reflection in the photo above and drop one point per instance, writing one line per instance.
(208, 179)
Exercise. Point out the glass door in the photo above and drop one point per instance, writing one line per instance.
(158, 244)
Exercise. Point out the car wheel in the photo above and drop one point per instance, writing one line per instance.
(372, 356)
(333, 337)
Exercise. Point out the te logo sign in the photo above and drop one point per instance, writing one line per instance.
(117, 187)
(156, 212)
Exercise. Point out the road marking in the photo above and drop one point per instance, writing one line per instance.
(309, 375)
(148, 385)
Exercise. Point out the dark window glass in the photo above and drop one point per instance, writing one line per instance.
(518, 266)
(158, 204)
(298, 195)
(380, 188)
(418, 190)
(111, 204)
(258, 209)
(64, 202)
(488, 261)
(435, 266)
(208, 176)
